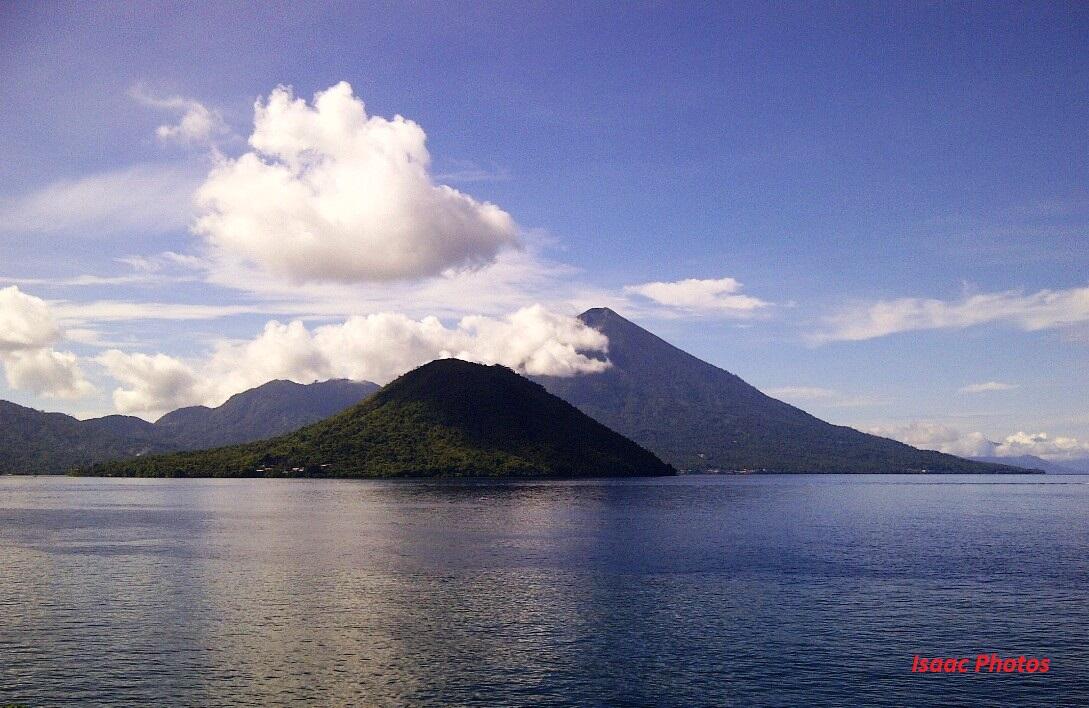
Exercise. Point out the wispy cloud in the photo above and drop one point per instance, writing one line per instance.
(1045, 309)
(987, 386)
(196, 123)
(76, 313)
(150, 198)
(469, 171)
(720, 296)
(166, 267)
(802, 393)
(93, 280)
(826, 397)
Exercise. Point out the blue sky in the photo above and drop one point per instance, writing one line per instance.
(878, 213)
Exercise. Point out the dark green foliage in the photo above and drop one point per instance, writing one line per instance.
(448, 418)
(699, 417)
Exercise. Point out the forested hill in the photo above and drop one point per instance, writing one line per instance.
(449, 418)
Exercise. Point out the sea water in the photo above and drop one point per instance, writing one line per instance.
(695, 590)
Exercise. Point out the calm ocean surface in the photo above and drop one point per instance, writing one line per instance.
(741, 591)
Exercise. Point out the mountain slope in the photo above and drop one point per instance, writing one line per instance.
(33, 442)
(272, 409)
(446, 418)
(699, 417)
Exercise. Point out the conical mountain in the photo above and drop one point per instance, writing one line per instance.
(446, 418)
(697, 416)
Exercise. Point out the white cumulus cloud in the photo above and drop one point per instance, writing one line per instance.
(1045, 309)
(25, 321)
(330, 194)
(927, 435)
(46, 372)
(28, 332)
(375, 347)
(150, 383)
(1057, 448)
(721, 296)
(943, 438)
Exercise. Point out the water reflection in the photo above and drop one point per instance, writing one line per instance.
(685, 591)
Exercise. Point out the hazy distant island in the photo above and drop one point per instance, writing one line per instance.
(449, 418)
(1075, 466)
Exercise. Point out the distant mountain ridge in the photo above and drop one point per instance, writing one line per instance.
(699, 417)
(34, 442)
(271, 409)
(448, 418)
(1034, 462)
(49, 443)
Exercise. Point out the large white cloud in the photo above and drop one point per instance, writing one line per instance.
(150, 383)
(943, 438)
(376, 347)
(329, 193)
(1045, 309)
(25, 321)
(28, 331)
(720, 295)
(46, 372)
